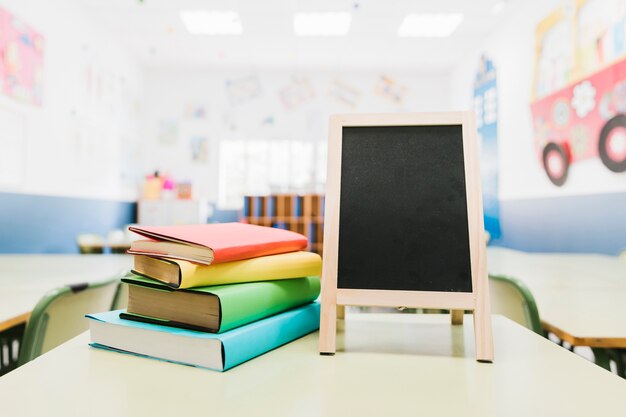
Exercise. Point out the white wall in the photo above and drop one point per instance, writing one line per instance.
(512, 48)
(256, 124)
(80, 141)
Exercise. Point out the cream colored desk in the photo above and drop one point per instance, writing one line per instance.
(581, 297)
(386, 365)
(24, 279)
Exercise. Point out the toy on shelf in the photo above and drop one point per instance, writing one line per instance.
(159, 186)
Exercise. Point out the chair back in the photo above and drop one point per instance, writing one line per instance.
(511, 298)
(120, 301)
(60, 316)
(90, 243)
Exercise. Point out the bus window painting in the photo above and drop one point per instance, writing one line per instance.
(579, 90)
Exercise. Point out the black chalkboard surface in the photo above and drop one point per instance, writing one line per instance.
(403, 220)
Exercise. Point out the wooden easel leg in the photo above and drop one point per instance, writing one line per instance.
(483, 333)
(483, 336)
(328, 326)
(341, 312)
(457, 316)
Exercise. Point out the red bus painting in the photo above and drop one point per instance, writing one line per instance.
(580, 77)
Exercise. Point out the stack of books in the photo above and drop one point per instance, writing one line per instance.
(213, 296)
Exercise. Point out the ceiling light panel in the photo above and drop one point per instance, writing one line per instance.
(440, 25)
(497, 8)
(321, 24)
(207, 22)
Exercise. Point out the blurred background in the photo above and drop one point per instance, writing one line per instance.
(118, 112)
(98, 96)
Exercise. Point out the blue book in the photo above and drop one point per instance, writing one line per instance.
(246, 207)
(257, 206)
(297, 206)
(219, 352)
(271, 200)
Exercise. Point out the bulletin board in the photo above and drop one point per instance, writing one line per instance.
(21, 59)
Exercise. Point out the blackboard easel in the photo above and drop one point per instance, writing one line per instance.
(404, 219)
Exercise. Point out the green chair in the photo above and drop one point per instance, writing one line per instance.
(60, 316)
(511, 298)
(121, 297)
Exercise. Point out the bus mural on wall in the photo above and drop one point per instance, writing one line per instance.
(579, 91)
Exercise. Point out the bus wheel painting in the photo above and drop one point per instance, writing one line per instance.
(556, 163)
(612, 144)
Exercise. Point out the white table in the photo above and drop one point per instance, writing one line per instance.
(581, 297)
(24, 279)
(386, 365)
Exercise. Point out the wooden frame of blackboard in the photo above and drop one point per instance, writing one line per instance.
(334, 298)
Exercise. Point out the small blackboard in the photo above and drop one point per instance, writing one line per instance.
(403, 219)
(404, 222)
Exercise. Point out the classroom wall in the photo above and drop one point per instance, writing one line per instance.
(79, 146)
(49, 224)
(584, 215)
(255, 132)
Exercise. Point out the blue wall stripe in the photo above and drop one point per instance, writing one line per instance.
(49, 224)
(589, 223)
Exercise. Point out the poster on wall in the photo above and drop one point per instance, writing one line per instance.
(578, 95)
(486, 109)
(195, 111)
(344, 93)
(242, 90)
(21, 60)
(298, 92)
(167, 133)
(389, 88)
(199, 146)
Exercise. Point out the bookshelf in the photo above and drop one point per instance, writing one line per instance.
(299, 213)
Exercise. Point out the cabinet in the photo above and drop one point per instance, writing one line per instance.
(171, 212)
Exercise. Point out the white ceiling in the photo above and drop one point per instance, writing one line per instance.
(156, 37)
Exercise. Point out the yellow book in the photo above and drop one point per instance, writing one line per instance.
(183, 274)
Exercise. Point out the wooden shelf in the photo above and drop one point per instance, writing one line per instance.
(299, 213)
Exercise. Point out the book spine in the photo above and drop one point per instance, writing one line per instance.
(311, 233)
(280, 225)
(246, 207)
(261, 249)
(265, 268)
(257, 206)
(246, 303)
(271, 206)
(297, 206)
(244, 343)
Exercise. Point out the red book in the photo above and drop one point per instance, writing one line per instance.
(215, 243)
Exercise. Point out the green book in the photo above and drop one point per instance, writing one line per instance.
(217, 308)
